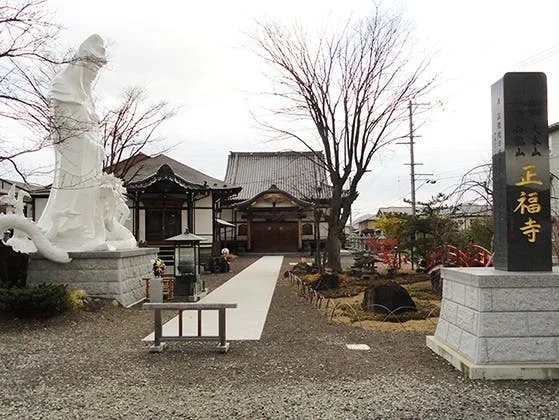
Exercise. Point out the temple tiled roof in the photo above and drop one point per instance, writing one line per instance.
(149, 167)
(297, 173)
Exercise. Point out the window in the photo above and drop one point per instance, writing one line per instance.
(307, 229)
(162, 224)
(243, 229)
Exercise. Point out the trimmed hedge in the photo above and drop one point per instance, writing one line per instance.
(42, 301)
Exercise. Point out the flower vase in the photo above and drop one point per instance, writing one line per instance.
(156, 290)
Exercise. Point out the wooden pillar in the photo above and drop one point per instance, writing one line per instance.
(190, 214)
(300, 233)
(249, 231)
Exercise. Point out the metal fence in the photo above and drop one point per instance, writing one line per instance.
(330, 307)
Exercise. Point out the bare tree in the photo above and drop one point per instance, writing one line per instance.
(129, 127)
(476, 185)
(26, 38)
(354, 85)
(27, 67)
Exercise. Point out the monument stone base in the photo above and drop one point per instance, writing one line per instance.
(499, 324)
(106, 274)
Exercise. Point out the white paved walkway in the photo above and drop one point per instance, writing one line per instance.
(251, 290)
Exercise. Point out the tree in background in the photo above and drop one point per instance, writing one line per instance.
(393, 225)
(480, 231)
(28, 63)
(354, 84)
(476, 185)
(27, 36)
(129, 127)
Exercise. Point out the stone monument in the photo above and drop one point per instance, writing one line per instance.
(83, 222)
(503, 322)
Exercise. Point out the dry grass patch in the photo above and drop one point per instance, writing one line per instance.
(347, 300)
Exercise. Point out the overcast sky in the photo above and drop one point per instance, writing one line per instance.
(195, 55)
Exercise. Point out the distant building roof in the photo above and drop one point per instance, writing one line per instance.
(402, 210)
(6, 184)
(553, 127)
(297, 173)
(472, 209)
(465, 209)
(362, 218)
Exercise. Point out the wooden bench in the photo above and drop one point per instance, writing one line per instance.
(159, 339)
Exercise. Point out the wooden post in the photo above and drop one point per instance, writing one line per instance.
(157, 346)
(199, 323)
(223, 344)
(180, 323)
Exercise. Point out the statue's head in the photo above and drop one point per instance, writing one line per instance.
(91, 55)
(74, 82)
(92, 50)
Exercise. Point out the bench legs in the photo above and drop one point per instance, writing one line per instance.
(157, 346)
(223, 345)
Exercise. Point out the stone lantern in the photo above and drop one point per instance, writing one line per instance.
(188, 284)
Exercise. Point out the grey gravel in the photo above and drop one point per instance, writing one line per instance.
(93, 365)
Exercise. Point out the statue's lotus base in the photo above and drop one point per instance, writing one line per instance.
(106, 274)
(499, 325)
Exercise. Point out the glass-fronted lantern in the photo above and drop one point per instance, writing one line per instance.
(188, 284)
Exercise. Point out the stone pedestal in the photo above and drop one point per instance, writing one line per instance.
(107, 274)
(499, 324)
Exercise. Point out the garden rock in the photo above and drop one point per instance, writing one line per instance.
(388, 298)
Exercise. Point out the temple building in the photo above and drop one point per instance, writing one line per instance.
(269, 202)
(282, 203)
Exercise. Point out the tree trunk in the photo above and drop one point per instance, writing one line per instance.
(333, 247)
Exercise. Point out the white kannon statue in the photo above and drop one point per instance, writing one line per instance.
(84, 211)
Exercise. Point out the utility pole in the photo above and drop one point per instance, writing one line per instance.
(412, 162)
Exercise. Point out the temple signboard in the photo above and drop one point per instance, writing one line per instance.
(521, 180)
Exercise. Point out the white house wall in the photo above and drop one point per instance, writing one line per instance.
(227, 214)
(203, 223)
(203, 219)
(142, 226)
(323, 229)
(40, 204)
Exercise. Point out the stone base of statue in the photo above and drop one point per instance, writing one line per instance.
(105, 274)
(499, 324)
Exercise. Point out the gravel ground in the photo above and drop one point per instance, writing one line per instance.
(90, 365)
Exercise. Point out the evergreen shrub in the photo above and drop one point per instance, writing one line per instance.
(41, 301)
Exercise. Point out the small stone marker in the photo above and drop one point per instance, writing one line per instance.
(521, 182)
(156, 290)
(357, 346)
